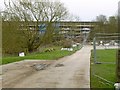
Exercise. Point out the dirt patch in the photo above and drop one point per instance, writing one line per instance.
(18, 71)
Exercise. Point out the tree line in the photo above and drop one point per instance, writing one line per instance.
(105, 25)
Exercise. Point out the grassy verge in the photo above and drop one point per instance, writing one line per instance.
(104, 71)
(53, 55)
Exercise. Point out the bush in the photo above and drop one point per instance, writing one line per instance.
(49, 50)
(58, 43)
(67, 43)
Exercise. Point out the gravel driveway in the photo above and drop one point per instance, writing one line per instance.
(68, 72)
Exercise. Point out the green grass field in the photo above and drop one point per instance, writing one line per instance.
(53, 55)
(104, 71)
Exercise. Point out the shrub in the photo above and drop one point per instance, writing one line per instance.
(49, 49)
(67, 43)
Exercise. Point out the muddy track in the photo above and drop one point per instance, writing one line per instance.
(68, 72)
(18, 79)
(16, 73)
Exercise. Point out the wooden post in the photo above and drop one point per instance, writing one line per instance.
(94, 47)
(118, 52)
(118, 66)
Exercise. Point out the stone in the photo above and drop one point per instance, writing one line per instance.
(39, 67)
(59, 65)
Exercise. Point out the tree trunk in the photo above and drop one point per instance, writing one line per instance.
(118, 66)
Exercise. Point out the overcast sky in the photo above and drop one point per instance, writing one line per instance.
(88, 9)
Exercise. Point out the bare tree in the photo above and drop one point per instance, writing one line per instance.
(72, 17)
(100, 26)
(113, 24)
(32, 12)
(102, 21)
(55, 12)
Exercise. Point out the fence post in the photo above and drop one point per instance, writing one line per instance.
(118, 52)
(94, 47)
(118, 66)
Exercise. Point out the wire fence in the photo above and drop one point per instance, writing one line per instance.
(104, 59)
(106, 42)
